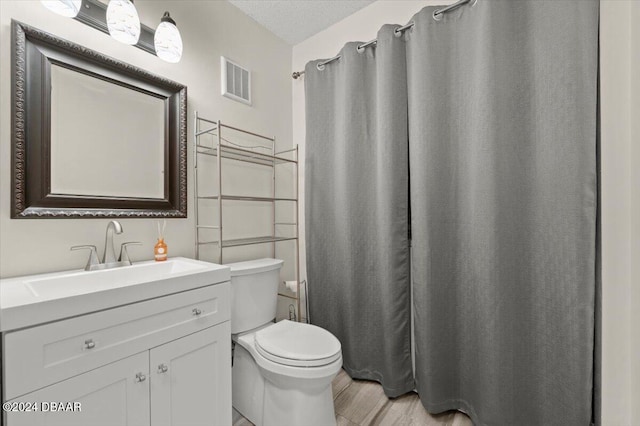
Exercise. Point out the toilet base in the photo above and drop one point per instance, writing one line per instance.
(267, 398)
(247, 386)
(309, 407)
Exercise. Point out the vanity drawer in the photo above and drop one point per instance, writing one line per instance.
(45, 354)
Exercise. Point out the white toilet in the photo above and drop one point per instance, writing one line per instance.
(282, 372)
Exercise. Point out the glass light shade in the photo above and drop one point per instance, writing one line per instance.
(167, 41)
(68, 8)
(123, 21)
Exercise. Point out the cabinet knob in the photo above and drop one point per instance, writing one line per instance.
(140, 377)
(196, 311)
(89, 344)
(162, 368)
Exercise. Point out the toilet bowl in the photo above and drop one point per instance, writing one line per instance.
(288, 387)
(282, 372)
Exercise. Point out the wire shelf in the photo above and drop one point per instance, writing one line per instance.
(237, 242)
(246, 198)
(228, 148)
(255, 240)
(240, 154)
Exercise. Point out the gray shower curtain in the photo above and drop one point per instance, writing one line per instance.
(501, 100)
(357, 209)
(502, 114)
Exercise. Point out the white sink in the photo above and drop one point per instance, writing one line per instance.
(48, 297)
(81, 282)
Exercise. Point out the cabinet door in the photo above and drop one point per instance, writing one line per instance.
(115, 394)
(191, 379)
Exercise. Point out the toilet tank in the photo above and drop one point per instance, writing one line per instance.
(254, 293)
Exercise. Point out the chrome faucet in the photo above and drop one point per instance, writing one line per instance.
(109, 259)
(109, 251)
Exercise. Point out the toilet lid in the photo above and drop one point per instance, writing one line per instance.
(297, 344)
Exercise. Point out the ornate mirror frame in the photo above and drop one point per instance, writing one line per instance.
(33, 52)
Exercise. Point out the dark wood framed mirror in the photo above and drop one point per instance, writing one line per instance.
(93, 136)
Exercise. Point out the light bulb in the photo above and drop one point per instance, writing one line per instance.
(123, 21)
(68, 8)
(167, 40)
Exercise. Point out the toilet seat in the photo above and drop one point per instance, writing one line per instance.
(297, 344)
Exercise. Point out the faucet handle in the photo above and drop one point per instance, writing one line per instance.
(124, 254)
(93, 255)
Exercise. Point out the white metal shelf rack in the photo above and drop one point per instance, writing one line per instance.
(237, 152)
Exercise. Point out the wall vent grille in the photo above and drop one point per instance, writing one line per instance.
(236, 81)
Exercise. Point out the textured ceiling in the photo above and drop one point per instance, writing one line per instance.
(296, 20)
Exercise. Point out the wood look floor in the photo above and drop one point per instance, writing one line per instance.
(361, 402)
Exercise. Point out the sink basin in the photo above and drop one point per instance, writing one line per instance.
(80, 282)
(35, 299)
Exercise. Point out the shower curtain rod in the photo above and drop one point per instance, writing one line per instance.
(436, 15)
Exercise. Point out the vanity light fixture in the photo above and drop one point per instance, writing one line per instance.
(123, 21)
(68, 8)
(167, 40)
(119, 19)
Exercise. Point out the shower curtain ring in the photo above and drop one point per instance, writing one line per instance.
(320, 65)
(438, 13)
(400, 30)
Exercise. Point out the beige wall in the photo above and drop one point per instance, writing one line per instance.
(209, 30)
(620, 114)
(634, 141)
(620, 181)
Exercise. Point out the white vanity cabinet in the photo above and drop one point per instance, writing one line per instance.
(189, 383)
(109, 395)
(164, 361)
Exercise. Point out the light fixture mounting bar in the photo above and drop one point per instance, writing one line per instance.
(94, 14)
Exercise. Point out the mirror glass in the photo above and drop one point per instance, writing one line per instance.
(111, 147)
